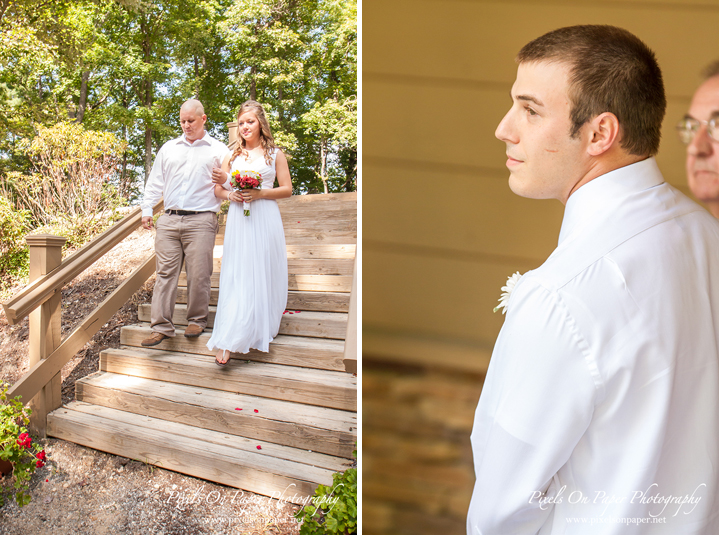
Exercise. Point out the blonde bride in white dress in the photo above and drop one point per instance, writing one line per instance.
(253, 279)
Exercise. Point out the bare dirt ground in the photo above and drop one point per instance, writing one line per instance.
(85, 492)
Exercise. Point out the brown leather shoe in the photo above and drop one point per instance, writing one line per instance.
(155, 339)
(193, 331)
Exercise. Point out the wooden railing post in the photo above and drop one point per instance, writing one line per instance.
(45, 326)
(350, 355)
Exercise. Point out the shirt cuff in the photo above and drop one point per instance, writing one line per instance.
(147, 212)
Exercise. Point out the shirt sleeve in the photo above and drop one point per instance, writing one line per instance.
(155, 185)
(536, 403)
(226, 184)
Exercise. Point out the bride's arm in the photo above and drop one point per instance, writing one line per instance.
(283, 178)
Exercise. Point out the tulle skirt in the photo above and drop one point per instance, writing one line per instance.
(253, 279)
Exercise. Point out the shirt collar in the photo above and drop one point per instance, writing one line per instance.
(205, 139)
(598, 195)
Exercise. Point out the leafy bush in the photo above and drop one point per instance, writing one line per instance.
(333, 510)
(13, 249)
(73, 185)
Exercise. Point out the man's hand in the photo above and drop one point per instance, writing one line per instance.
(147, 222)
(218, 176)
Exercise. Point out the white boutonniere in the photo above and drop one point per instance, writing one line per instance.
(507, 291)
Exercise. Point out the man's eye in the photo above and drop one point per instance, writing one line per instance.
(530, 111)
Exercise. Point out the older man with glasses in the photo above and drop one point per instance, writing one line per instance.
(699, 131)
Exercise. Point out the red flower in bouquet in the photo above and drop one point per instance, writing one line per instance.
(246, 180)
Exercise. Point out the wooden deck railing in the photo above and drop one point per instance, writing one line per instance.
(350, 355)
(41, 301)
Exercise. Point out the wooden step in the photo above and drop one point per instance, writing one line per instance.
(306, 266)
(296, 300)
(311, 283)
(315, 324)
(331, 231)
(323, 388)
(308, 427)
(318, 250)
(310, 236)
(216, 456)
(318, 353)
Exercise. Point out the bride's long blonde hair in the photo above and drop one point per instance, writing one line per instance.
(266, 139)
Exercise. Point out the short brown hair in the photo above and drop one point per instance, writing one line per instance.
(611, 70)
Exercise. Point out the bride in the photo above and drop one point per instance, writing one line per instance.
(253, 279)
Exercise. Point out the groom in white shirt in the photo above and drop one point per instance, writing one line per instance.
(600, 409)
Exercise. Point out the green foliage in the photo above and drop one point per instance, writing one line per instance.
(333, 510)
(17, 447)
(14, 225)
(73, 184)
(125, 66)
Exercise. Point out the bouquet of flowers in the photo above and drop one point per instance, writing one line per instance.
(246, 180)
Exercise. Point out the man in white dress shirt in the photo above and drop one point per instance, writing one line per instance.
(182, 174)
(699, 130)
(600, 409)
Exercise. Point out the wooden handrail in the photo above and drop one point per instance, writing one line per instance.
(35, 294)
(39, 375)
(350, 353)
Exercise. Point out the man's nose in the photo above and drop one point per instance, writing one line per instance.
(505, 130)
(702, 144)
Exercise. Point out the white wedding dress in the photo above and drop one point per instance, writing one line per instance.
(253, 278)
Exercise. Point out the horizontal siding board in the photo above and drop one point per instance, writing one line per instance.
(433, 296)
(473, 214)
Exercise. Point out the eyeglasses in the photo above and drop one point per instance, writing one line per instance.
(689, 126)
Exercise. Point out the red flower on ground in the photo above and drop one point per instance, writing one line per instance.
(42, 455)
(256, 410)
(39, 464)
(24, 440)
(259, 447)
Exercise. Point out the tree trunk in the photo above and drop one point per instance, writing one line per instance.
(80, 115)
(323, 158)
(148, 152)
(253, 83)
(197, 78)
(350, 171)
(146, 49)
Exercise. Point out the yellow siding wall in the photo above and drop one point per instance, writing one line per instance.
(442, 231)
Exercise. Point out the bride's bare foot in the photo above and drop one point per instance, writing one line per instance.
(222, 358)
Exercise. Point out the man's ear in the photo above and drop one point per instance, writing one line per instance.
(604, 130)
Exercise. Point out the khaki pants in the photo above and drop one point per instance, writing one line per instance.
(188, 238)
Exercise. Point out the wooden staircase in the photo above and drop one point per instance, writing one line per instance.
(276, 423)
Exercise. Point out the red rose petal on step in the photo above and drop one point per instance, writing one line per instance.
(237, 409)
(297, 311)
(291, 312)
(285, 312)
(256, 410)
(47, 480)
(259, 447)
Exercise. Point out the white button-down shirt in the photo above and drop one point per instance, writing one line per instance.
(600, 409)
(182, 174)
